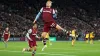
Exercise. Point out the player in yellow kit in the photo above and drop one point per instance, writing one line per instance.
(73, 33)
(91, 37)
(87, 37)
(47, 37)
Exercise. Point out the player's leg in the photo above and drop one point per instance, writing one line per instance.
(60, 28)
(49, 41)
(48, 38)
(5, 42)
(73, 41)
(44, 37)
(44, 40)
(34, 51)
(27, 49)
(91, 40)
(87, 40)
(44, 33)
(34, 48)
(30, 47)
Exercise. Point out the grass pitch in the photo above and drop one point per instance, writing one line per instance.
(59, 48)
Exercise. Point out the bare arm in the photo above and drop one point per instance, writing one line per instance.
(9, 35)
(3, 34)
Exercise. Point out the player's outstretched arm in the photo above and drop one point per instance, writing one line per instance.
(9, 35)
(3, 34)
(37, 37)
(38, 15)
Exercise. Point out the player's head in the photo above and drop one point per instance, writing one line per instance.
(73, 29)
(92, 32)
(7, 29)
(49, 3)
(35, 26)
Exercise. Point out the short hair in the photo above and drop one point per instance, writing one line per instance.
(49, 1)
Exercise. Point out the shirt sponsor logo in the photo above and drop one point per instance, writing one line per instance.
(47, 11)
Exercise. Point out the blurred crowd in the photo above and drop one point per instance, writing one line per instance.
(19, 17)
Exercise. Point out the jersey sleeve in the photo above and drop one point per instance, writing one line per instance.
(54, 13)
(28, 33)
(38, 15)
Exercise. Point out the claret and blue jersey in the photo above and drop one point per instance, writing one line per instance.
(48, 14)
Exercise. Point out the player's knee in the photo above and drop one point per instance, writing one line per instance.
(43, 34)
(59, 27)
(30, 49)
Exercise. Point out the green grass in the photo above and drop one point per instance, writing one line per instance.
(59, 48)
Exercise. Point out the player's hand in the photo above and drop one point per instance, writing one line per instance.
(56, 11)
(39, 38)
(7, 40)
(34, 22)
(2, 36)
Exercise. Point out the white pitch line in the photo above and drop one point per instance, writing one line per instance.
(63, 49)
(73, 49)
(52, 54)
